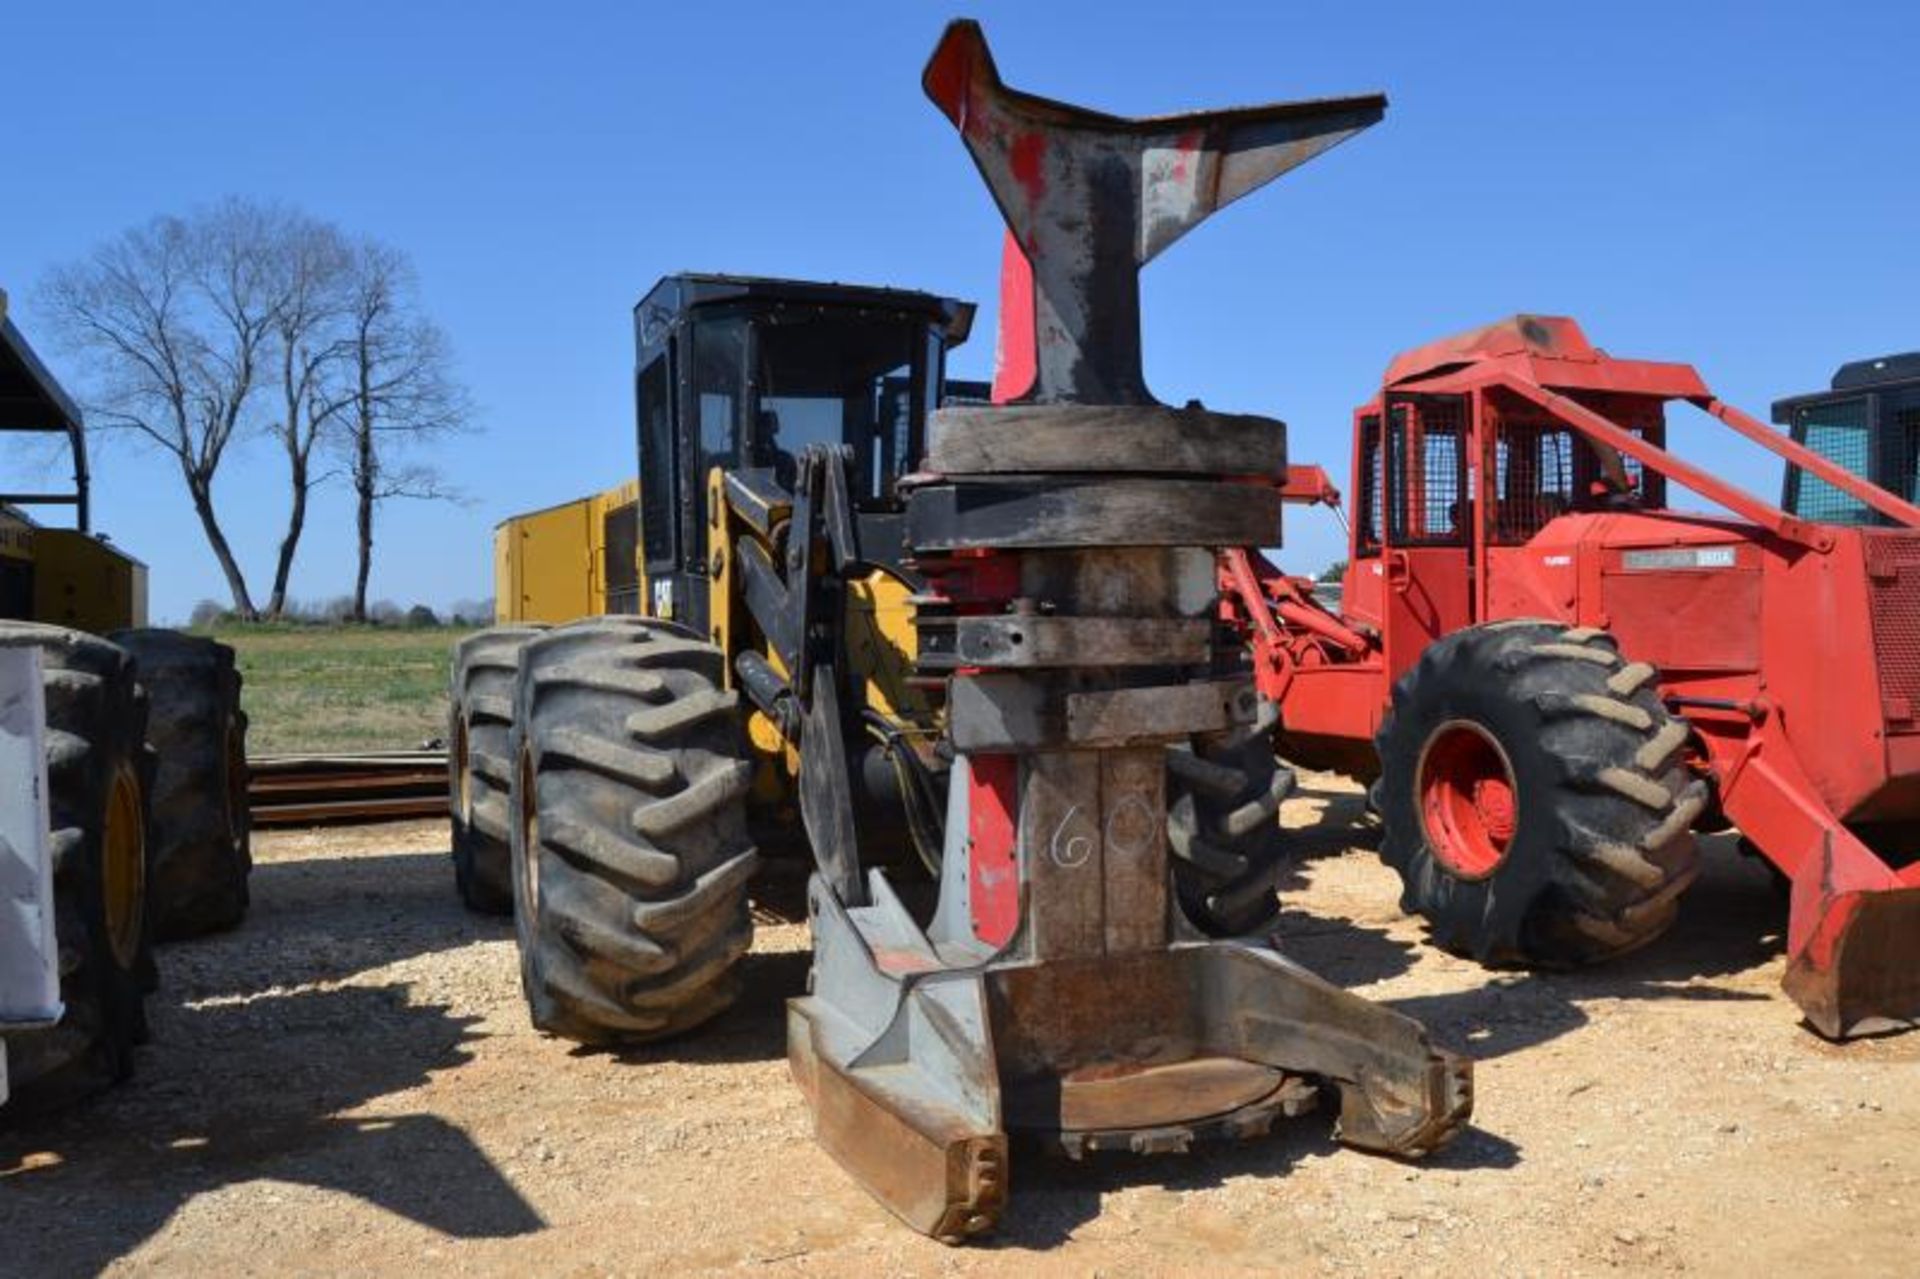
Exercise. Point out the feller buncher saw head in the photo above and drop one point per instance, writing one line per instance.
(1058, 992)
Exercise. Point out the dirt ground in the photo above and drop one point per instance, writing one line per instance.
(348, 1086)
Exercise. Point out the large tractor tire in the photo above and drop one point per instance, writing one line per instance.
(98, 773)
(1535, 796)
(200, 854)
(480, 764)
(1223, 827)
(631, 856)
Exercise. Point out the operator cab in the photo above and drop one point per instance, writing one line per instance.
(1541, 469)
(743, 374)
(51, 573)
(1868, 422)
(1459, 470)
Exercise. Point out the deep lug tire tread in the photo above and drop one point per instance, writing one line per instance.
(1224, 792)
(201, 850)
(97, 726)
(1603, 846)
(480, 706)
(638, 767)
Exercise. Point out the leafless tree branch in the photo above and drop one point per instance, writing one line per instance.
(399, 393)
(245, 318)
(171, 320)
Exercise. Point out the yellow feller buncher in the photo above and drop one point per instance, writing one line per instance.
(771, 367)
(985, 634)
(146, 761)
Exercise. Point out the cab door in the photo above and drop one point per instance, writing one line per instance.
(1426, 554)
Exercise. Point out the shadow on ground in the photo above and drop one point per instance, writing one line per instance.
(1342, 822)
(259, 1054)
(1054, 1196)
(328, 918)
(1732, 922)
(255, 1058)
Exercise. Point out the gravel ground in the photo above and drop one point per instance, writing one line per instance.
(348, 1086)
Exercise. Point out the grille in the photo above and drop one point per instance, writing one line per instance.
(621, 566)
(1374, 468)
(1906, 466)
(1427, 471)
(1893, 569)
(1533, 477)
(1838, 432)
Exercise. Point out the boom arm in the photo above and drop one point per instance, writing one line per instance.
(1654, 458)
(1797, 454)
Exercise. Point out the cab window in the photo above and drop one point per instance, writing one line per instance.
(1841, 432)
(1371, 470)
(858, 381)
(719, 366)
(659, 467)
(1426, 472)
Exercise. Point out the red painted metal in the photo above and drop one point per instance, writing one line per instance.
(1309, 486)
(1467, 800)
(993, 870)
(1013, 353)
(1757, 625)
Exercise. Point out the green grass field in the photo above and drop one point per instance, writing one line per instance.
(341, 688)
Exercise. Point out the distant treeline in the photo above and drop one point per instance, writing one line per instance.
(213, 615)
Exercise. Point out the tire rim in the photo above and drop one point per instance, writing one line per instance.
(462, 785)
(124, 870)
(1468, 800)
(529, 837)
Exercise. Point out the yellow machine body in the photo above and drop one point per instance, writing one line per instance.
(577, 559)
(62, 576)
(581, 559)
(879, 644)
(82, 582)
(67, 578)
(737, 380)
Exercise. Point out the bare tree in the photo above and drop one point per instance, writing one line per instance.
(315, 265)
(177, 319)
(398, 392)
(186, 322)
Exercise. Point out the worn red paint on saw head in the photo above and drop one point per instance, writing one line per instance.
(1024, 158)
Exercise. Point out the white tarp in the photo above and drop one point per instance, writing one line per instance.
(29, 973)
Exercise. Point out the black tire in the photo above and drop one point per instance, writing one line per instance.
(1223, 827)
(1598, 810)
(200, 855)
(98, 773)
(480, 764)
(631, 857)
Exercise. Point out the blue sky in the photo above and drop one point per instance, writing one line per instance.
(1726, 184)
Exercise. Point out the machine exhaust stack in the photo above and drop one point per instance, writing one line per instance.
(1059, 991)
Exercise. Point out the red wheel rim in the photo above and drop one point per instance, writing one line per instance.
(1467, 799)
